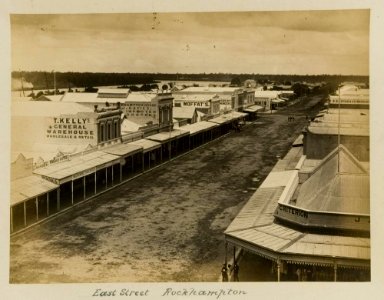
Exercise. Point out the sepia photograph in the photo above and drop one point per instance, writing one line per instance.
(228, 147)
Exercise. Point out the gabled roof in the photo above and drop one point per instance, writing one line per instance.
(185, 112)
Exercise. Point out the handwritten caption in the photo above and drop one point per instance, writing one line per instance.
(170, 292)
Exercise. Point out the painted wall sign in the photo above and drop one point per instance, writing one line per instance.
(70, 128)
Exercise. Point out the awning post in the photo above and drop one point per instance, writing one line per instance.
(335, 271)
(278, 269)
(226, 259)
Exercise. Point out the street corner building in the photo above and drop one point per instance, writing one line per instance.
(310, 218)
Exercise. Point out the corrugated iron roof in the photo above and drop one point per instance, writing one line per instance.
(146, 144)
(253, 108)
(279, 178)
(46, 108)
(258, 210)
(193, 97)
(117, 91)
(185, 112)
(255, 225)
(289, 161)
(205, 89)
(166, 136)
(331, 190)
(77, 164)
(140, 97)
(226, 118)
(29, 187)
(199, 127)
(333, 246)
(122, 149)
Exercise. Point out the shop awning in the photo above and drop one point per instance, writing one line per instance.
(77, 166)
(199, 127)
(123, 149)
(237, 114)
(167, 135)
(299, 141)
(278, 101)
(253, 108)
(29, 187)
(227, 118)
(146, 144)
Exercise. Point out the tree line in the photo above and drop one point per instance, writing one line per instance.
(45, 80)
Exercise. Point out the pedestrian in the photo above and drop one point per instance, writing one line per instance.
(236, 272)
(224, 273)
(298, 274)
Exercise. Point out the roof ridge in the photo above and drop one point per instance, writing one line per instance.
(294, 240)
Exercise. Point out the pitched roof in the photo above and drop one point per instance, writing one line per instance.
(331, 190)
(185, 112)
(254, 229)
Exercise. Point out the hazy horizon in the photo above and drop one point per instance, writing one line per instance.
(290, 42)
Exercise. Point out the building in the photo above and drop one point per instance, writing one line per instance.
(140, 107)
(46, 130)
(350, 96)
(309, 220)
(206, 103)
(80, 153)
(322, 134)
(269, 100)
(230, 97)
(186, 114)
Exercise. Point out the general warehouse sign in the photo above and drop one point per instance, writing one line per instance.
(70, 128)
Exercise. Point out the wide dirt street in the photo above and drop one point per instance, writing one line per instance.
(165, 225)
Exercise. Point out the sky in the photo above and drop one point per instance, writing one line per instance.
(290, 42)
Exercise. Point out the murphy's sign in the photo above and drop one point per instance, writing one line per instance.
(70, 128)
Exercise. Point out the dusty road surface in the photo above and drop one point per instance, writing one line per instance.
(165, 225)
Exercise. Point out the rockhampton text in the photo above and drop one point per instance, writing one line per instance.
(171, 292)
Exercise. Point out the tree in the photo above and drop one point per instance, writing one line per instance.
(300, 89)
(236, 81)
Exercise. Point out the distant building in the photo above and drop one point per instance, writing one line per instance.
(187, 113)
(268, 99)
(206, 103)
(144, 107)
(321, 136)
(229, 97)
(350, 96)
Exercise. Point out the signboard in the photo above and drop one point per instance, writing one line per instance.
(70, 128)
(196, 103)
(293, 211)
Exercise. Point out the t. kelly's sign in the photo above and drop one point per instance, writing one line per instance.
(70, 128)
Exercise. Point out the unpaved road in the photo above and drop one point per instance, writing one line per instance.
(166, 225)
